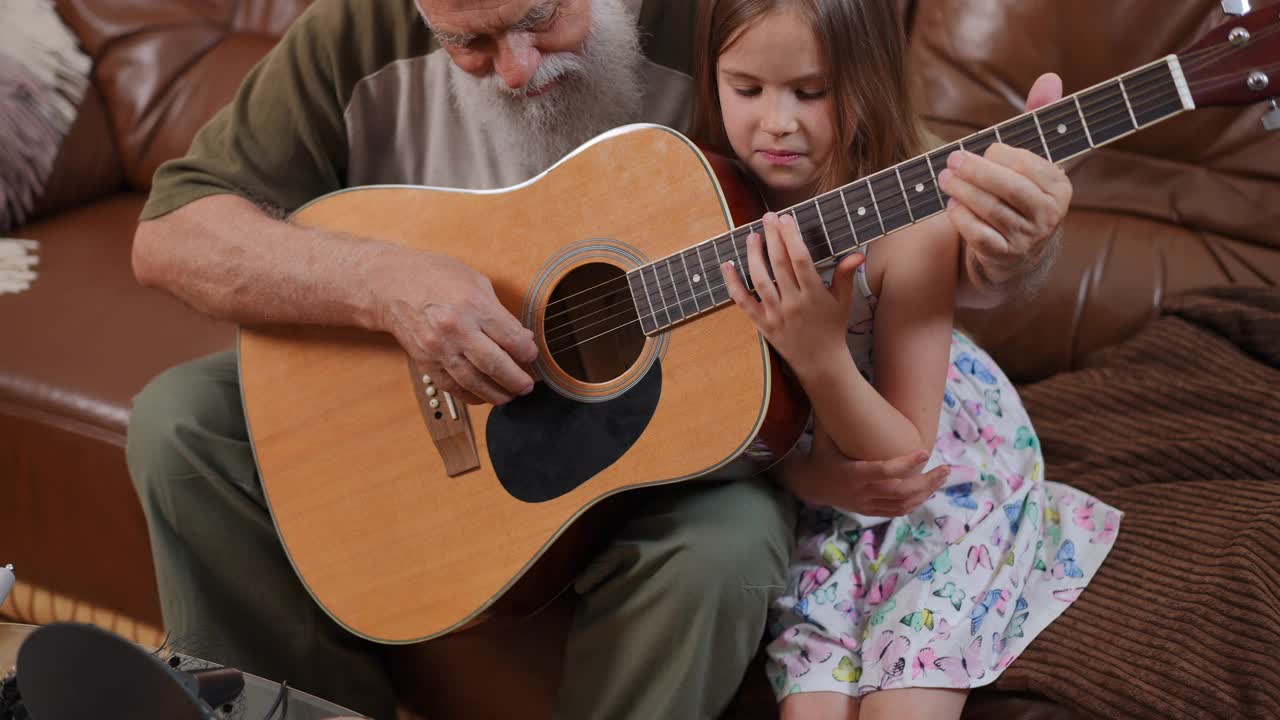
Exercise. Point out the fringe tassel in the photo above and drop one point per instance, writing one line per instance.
(17, 264)
(43, 77)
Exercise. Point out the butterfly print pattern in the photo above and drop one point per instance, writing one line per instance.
(951, 594)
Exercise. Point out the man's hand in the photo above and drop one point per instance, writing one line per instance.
(1008, 205)
(447, 317)
(881, 489)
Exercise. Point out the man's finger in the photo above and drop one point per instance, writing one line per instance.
(445, 383)
(981, 192)
(1007, 185)
(980, 238)
(515, 339)
(494, 362)
(472, 380)
(1047, 177)
(1046, 89)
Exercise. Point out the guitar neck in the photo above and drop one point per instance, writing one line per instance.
(687, 284)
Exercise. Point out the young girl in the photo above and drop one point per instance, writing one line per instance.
(883, 618)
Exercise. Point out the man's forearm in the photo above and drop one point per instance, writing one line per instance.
(228, 259)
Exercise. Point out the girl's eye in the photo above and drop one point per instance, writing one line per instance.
(810, 94)
(747, 92)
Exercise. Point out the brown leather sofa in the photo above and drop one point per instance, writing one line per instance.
(1171, 208)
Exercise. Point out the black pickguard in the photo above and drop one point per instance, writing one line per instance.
(544, 445)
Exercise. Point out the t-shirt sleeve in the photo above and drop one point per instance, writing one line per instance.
(282, 140)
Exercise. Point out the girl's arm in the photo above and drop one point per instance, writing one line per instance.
(912, 329)
(806, 323)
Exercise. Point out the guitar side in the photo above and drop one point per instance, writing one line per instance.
(388, 543)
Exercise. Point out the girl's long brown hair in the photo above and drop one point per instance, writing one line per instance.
(864, 48)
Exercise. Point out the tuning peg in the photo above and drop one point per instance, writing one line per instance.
(1271, 119)
(1236, 7)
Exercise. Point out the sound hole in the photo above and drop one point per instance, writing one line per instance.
(589, 324)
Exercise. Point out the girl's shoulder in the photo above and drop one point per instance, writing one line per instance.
(921, 243)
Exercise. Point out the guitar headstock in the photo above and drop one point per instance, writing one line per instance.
(1237, 62)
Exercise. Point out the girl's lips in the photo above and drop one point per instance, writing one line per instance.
(780, 158)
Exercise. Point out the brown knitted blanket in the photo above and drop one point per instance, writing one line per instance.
(1179, 427)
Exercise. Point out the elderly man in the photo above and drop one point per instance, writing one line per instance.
(483, 94)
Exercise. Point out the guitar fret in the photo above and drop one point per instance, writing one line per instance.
(839, 239)
(876, 206)
(916, 177)
(1106, 114)
(814, 234)
(1158, 85)
(884, 189)
(1048, 155)
(692, 290)
(658, 283)
(717, 282)
(650, 316)
(936, 188)
(737, 260)
(1021, 132)
(1125, 94)
(852, 228)
(1068, 139)
(938, 159)
(978, 143)
(706, 281)
(905, 196)
(675, 290)
(823, 223)
(1083, 123)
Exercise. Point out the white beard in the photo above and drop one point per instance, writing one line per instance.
(599, 89)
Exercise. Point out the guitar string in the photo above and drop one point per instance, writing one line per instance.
(810, 224)
(1199, 85)
(1190, 61)
(1024, 138)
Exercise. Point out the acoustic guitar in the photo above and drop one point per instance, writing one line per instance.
(409, 515)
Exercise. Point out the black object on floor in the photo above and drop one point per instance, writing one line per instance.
(70, 671)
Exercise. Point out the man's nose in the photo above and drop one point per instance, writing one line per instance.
(516, 60)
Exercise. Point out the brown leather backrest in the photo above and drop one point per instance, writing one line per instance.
(1194, 201)
(164, 68)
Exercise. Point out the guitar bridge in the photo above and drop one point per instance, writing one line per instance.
(448, 423)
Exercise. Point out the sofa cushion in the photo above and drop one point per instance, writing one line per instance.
(86, 337)
(165, 68)
(1194, 201)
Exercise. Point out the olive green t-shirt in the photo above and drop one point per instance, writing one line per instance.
(357, 93)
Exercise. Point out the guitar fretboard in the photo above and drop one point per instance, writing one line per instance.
(688, 283)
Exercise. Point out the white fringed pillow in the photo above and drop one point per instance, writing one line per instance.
(43, 77)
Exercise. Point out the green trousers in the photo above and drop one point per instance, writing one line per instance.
(668, 618)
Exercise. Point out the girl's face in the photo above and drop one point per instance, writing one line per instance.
(777, 108)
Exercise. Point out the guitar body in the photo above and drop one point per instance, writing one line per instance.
(396, 548)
